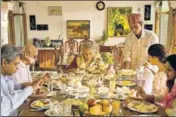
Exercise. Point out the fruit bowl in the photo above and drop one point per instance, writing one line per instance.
(101, 108)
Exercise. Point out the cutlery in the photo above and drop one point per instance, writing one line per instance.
(37, 110)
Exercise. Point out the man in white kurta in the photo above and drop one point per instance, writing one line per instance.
(137, 43)
(136, 50)
(28, 57)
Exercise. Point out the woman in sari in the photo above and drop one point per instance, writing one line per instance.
(86, 57)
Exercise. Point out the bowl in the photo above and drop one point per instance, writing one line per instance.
(103, 94)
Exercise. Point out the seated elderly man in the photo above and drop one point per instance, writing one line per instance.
(28, 57)
(12, 93)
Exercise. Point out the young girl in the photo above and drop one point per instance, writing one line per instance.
(155, 82)
(157, 56)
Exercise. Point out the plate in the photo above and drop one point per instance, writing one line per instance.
(126, 83)
(56, 86)
(37, 74)
(50, 113)
(142, 107)
(40, 93)
(149, 115)
(72, 101)
(43, 103)
(120, 97)
(81, 92)
(127, 72)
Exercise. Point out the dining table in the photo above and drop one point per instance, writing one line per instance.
(26, 110)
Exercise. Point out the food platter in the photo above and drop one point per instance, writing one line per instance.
(142, 107)
(50, 113)
(122, 93)
(126, 83)
(43, 103)
(127, 72)
(103, 92)
(81, 92)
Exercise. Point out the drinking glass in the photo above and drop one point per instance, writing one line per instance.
(50, 86)
(117, 111)
(112, 85)
(57, 110)
(66, 109)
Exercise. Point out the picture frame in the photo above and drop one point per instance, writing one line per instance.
(42, 27)
(147, 12)
(78, 29)
(148, 27)
(54, 10)
(32, 22)
(117, 21)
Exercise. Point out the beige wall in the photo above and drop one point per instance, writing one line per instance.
(78, 10)
(173, 4)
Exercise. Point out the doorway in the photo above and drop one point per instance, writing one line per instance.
(17, 29)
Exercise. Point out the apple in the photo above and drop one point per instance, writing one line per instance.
(91, 102)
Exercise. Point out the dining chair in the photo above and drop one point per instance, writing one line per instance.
(117, 54)
(71, 46)
(85, 41)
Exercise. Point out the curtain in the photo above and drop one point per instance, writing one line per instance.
(172, 32)
(170, 29)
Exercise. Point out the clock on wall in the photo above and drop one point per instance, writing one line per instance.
(100, 5)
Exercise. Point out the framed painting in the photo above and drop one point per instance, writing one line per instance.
(78, 29)
(148, 27)
(32, 22)
(54, 10)
(117, 21)
(147, 12)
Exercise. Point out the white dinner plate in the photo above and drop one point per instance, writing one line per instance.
(43, 103)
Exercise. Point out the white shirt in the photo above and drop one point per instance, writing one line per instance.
(136, 50)
(12, 96)
(159, 84)
(22, 75)
(145, 80)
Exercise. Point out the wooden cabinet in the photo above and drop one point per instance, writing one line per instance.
(106, 48)
(48, 58)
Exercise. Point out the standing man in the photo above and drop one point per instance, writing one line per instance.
(13, 94)
(137, 43)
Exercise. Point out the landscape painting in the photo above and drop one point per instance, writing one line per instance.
(118, 21)
(78, 29)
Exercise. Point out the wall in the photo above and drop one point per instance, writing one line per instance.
(78, 10)
(173, 4)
